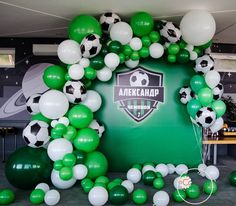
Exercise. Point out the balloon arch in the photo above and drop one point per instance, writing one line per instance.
(62, 118)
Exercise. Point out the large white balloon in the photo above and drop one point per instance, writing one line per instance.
(53, 104)
(69, 52)
(212, 172)
(197, 27)
(76, 72)
(132, 64)
(181, 169)
(171, 168)
(43, 186)
(93, 100)
(212, 78)
(163, 169)
(98, 196)
(112, 60)
(52, 197)
(128, 185)
(121, 32)
(218, 124)
(58, 148)
(80, 171)
(156, 50)
(161, 198)
(134, 175)
(59, 183)
(104, 74)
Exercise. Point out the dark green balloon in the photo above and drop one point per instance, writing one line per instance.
(7, 196)
(179, 195)
(118, 195)
(205, 46)
(149, 163)
(193, 106)
(37, 196)
(115, 46)
(193, 192)
(210, 187)
(87, 184)
(104, 50)
(198, 51)
(149, 177)
(90, 73)
(183, 56)
(232, 178)
(97, 62)
(197, 82)
(139, 196)
(40, 117)
(182, 44)
(80, 156)
(112, 184)
(137, 166)
(27, 167)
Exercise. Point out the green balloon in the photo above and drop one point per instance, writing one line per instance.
(118, 180)
(80, 116)
(127, 50)
(232, 178)
(173, 49)
(69, 160)
(197, 82)
(122, 58)
(97, 62)
(60, 129)
(179, 195)
(205, 96)
(87, 140)
(67, 77)
(141, 23)
(183, 56)
(205, 46)
(137, 166)
(158, 183)
(66, 173)
(159, 175)
(27, 167)
(193, 191)
(55, 134)
(135, 56)
(57, 165)
(139, 196)
(54, 77)
(198, 51)
(100, 184)
(193, 106)
(146, 41)
(115, 46)
(80, 156)
(118, 195)
(87, 184)
(83, 25)
(144, 52)
(182, 44)
(210, 187)
(96, 163)
(87, 83)
(90, 73)
(219, 107)
(171, 58)
(149, 177)
(102, 179)
(7, 196)
(40, 117)
(154, 36)
(105, 50)
(70, 133)
(37, 196)
(112, 184)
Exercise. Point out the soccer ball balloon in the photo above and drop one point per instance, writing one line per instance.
(90, 46)
(36, 134)
(185, 94)
(32, 104)
(139, 79)
(205, 117)
(75, 91)
(98, 127)
(204, 64)
(218, 91)
(107, 20)
(170, 31)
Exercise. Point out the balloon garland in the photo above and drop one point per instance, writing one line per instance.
(63, 120)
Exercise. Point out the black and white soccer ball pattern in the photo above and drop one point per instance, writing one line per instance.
(90, 45)
(107, 20)
(139, 79)
(205, 117)
(218, 91)
(98, 127)
(185, 94)
(75, 91)
(36, 134)
(32, 104)
(204, 64)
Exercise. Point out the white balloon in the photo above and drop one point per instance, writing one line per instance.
(181, 169)
(69, 52)
(98, 196)
(212, 78)
(212, 172)
(59, 183)
(93, 100)
(54, 123)
(218, 124)
(76, 72)
(135, 43)
(112, 60)
(57, 148)
(53, 104)
(84, 62)
(201, 169)
(64, 120)
(104, 74)
(197, 27)
(80, 171)
(121, 32)
(128, 185)
(163, 169)
(43, 186)
(148, 168)
(134, 175)
(177, 184)
(189, 47)
(171, 168)
(156, 50)
(52, 197)
(193, 55)
(161, 198)
(132, 64)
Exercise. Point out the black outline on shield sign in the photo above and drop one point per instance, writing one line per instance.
(153, 102)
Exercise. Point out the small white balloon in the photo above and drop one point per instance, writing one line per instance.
(93, 100)
(156, 50)
(177, 184)
(121, 32)
(148, 168)
(181, 169)
(212, 78)
(76, 72)
(54, 123)
(69, 52)
(135, 43)
(43, 186)
(132, 64)
(57, 148)
(128, 185)
(112, 60)
(64, 120)
(189, 47)
(193, 55)
(98, 196)
(59, 183)
(171, 168)
(218, 125)
(104, 74)
(80, 171)
(163, 169)
(212, 172)
(134, 175)
(201, 169)
(161, 198)
(52, 197)
(84, 62)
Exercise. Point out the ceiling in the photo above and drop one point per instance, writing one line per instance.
(50, 18)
